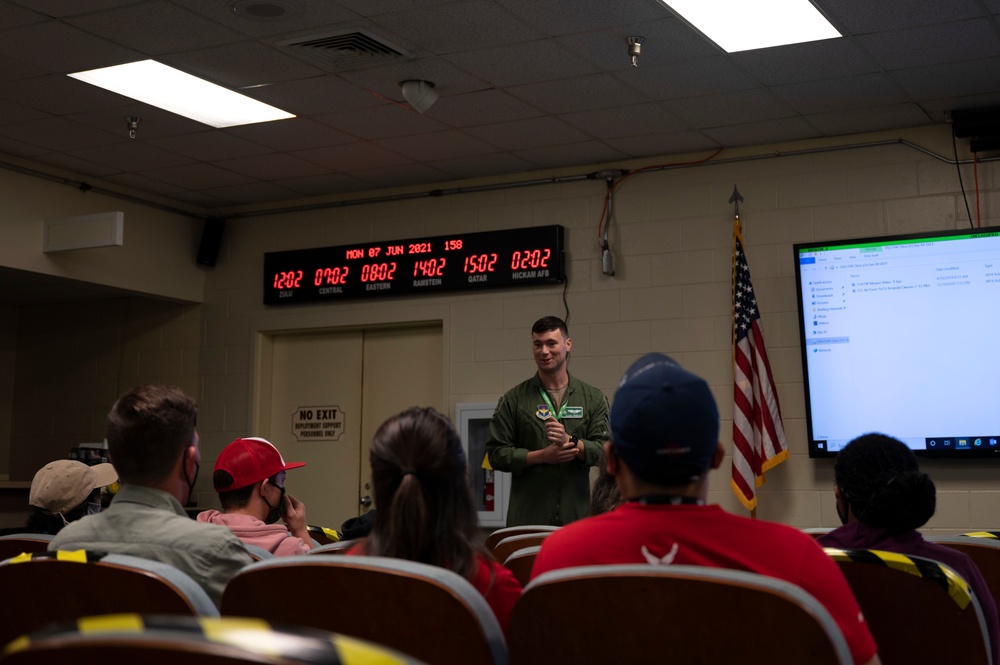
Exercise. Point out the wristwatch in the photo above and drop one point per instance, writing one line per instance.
(574, 439)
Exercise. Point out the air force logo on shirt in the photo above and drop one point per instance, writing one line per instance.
(573, 412)
(542, 411)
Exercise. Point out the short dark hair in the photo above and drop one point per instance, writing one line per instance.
(149, 427)
(231, 499)
(239, 497)
(879, 479)
(547, 323)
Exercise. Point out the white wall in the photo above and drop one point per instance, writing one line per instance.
(157, 257)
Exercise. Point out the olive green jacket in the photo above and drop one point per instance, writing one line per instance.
(553, 494)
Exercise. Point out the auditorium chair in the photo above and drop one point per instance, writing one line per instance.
(428, 612)
(340, 547)
(918, 610)
(58, 586)
(496, 536)
(511, 544)
(520, 562)
(636, 614)
(984, 552)
(169, 640)
(16, 543)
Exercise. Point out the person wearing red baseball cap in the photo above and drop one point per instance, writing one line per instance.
(249, 476)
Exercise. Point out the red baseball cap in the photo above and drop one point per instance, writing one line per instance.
(251, 460)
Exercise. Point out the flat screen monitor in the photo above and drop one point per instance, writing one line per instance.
(901, 335)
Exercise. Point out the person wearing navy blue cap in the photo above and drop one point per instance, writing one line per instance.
(664, 442)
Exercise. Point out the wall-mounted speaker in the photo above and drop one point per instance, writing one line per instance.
(103, 229)
(211, 241)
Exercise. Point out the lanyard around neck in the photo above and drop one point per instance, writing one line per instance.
(552, 409)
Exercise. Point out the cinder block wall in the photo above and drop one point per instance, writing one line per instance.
(672, 237)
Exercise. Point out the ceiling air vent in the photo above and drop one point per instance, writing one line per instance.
(345, 50)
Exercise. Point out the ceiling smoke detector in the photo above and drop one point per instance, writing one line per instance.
(265, 10)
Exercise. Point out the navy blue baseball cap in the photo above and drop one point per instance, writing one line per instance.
(664, 422)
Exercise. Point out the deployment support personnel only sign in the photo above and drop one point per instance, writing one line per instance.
(318, 423)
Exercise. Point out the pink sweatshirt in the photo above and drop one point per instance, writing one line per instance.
(272, 537)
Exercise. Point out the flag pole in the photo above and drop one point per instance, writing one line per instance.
(759, 442)
(736, 199)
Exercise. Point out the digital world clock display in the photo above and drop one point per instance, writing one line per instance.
(507, 258)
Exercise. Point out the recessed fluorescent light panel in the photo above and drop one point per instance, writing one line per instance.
(173, 90)
(742, 25)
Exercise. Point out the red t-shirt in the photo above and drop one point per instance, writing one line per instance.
(694, 535)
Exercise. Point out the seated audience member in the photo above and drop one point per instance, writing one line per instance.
(64, 491)
(882, 499)
(664, 442)
(249, 476)
(425, 507)
(604, 495)
(154, 446)
(358, 527)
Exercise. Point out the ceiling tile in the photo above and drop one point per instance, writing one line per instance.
(664, 144)
(483, 107)
(869, 119)
(437, 145)
(729, 108)
(292, 134)
(77, 51)
(210, 146)
(691, 78)
(933, 45)
(322, 185)
(458, 26)
(826, 59)
(59, 134)
(572, 154)
(402, 175)
(241, 66)
(256, 192)
(529, 133)
(383, 122)
(577, 94)
(196, 176)
(484, 165)
(529, 62)
(352, 157)
(523, 85)
(132, 156)
(156, 27)
(272, 166)
(568, 16)
(313, 14)
(850, 92)
(759, 133)
(863, 17)
(635, 119)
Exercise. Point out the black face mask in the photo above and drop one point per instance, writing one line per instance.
(191, 481)
(275, 512)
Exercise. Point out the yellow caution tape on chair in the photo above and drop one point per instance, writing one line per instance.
(982, 534)
(254, 635)
(79, 556)
(953, 583)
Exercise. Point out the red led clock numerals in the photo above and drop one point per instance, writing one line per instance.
(429, 268)
(288, 280)
(480, 263)
(331, 276)
(378, 272)
(530, 258)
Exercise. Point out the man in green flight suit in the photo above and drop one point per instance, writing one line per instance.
(547, 432)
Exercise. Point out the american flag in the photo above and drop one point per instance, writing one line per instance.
(758, 435)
